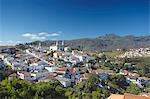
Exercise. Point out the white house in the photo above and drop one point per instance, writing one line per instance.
(2, 56)
(39, 73)
(84, 58)
(137, 80)
(51, 69)
(66, 48)
(25, 75)
(35, 67)
(81, 58)
(64, 81)
(15, 65)
(57, 54)
(74, 60)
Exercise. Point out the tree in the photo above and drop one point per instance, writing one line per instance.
(119, 80)
(133, 89)
(146, 70)
(22, 46)
(148, 87)
(50, 53)
(103, 58)
(96, 94)
(86, 89)
(25, 89)
(3, 91)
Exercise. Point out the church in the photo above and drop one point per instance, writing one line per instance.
(59, 46)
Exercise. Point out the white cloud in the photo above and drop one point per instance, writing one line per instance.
(54, 34)
(27, 35)
(50, 35)
(41, 35)
(34, 36)
(17, 42)
(10, 41)
(38, 38)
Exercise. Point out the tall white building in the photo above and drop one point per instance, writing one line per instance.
(58, 46)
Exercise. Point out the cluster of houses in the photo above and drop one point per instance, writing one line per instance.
(135, 78)
(57, 63)
(35, 64)
(141, 52)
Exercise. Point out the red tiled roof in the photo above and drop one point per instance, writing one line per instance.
(60, 73)
(7, 47)
(126, 96)
(53, 75)
(129, 76)
(60, 69)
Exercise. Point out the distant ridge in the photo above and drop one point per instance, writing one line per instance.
(106, 42)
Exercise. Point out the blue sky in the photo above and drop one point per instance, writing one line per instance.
(29, 20)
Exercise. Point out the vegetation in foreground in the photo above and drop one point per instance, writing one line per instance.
(89, 89)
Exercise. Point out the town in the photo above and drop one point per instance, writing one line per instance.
(72, 66)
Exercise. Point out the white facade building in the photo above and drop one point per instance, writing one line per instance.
(25, 75)
(57, 47)
(38, 74)
(35, 67)
(64, 81)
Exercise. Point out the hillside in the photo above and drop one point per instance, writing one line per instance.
(107, 42)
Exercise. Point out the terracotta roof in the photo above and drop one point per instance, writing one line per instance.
(52, 75)
(47, 78)
(131, 96)
(64, 65)
(99, 71)
(7, 47)
(116, 96)
(60, 69)
(44, 70)
(126, 96)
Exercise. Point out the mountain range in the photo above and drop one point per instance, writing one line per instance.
(103, 43)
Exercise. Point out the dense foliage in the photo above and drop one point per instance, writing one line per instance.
(142, 65)
(22, 46)
(92, 88)
(25, 89)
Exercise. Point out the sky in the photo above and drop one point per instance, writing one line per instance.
(30, 20)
